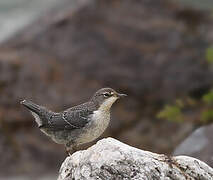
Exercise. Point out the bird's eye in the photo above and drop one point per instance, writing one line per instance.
(106, 94)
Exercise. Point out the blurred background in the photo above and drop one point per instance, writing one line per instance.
(58, 53)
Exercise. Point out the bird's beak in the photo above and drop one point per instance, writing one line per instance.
(121, 95)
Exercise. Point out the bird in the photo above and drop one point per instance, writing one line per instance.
(79, 124)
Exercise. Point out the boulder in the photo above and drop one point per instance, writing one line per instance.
(198, 144)
(111, 159)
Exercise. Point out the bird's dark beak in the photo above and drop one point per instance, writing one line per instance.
(121, 95)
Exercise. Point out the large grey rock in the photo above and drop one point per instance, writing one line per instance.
(111, 159)
(199, 145)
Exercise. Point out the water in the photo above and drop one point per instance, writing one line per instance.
(15, 14)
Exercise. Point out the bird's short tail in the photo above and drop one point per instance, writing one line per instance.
(36, 111)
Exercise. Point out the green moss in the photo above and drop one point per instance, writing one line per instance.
(208, 98)
(171, 113)
(207, 116)
(209, 55)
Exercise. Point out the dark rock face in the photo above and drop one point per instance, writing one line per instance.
(198, 145)
(146, 49)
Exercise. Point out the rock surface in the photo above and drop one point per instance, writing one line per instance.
(111, 159)
(199, 145)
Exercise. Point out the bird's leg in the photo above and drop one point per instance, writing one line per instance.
(71, 148)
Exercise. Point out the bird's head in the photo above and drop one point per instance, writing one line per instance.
(105, 97)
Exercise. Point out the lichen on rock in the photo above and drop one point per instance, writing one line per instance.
(112, 159)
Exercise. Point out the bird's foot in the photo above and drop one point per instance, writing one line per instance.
(70, 150)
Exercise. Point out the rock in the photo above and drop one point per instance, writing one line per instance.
(111, 159)
(199, 145)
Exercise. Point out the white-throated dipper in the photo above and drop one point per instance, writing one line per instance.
(79, 124)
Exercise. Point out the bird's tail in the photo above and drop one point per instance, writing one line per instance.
(37, 111)
(31, 106)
